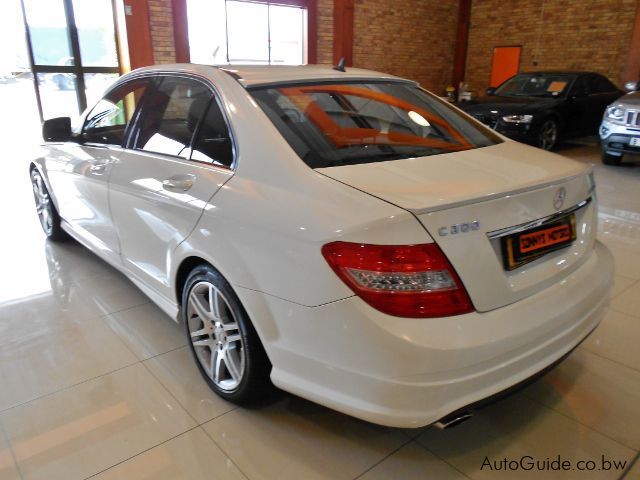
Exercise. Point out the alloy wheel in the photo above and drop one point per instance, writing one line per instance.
(215, 336)
(548, 135)
(44, 207)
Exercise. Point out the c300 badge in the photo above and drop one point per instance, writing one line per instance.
(459, 228)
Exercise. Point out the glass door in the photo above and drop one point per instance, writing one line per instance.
(73, 52)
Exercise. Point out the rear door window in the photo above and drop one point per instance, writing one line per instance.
(351, 123)
(170, 115)
(599, 84)
(213, 142)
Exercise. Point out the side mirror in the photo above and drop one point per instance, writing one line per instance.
(57, 129)
(631, 86)
(491, 90)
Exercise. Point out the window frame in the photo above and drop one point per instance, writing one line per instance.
(135, 124)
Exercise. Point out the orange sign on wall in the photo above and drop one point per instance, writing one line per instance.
(505, 64)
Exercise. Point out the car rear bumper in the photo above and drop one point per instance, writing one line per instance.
(412, 372)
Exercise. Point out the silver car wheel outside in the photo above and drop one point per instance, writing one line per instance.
(548, 135)
(215, 336)
(43, 202)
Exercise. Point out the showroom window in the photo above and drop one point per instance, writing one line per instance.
(243, 32)
(72, 50)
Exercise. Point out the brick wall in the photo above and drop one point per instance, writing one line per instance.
(570, 35)
(424, 53)
(161, 26)
(409, 38)
(325, 31)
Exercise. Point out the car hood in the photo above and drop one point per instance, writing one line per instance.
(629, 100)
(495, 105)
(441, 181)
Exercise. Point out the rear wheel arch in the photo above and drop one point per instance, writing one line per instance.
(182, 273)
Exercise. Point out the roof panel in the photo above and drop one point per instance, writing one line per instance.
(252, 75)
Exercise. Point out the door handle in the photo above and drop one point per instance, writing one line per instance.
(98, 168)
(180, 183)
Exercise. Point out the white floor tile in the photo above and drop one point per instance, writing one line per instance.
(295, 439)
(88, 428)
(597, 393)
(49, 360)
(8, 467)
(412, 462)
(108, 293)
(616, 338)
(620, 284)
(178, 372)
(146, 330)
(628, 302)
(519, 427)
(191, 456)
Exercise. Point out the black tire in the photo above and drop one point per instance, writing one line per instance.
(253, 385)
(611, 159)
(46, 210)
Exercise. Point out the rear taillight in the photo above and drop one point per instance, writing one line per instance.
(401, 280)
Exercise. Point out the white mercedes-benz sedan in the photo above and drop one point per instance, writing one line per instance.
(343, 235)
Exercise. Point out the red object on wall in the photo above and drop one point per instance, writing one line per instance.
(505, 64)
(343, 31)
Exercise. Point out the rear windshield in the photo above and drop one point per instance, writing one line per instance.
(350, 123)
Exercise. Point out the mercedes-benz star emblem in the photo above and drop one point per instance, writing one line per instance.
(558, 198)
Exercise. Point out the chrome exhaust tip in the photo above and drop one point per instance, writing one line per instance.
(452, 420)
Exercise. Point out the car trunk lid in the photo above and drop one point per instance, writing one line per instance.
(468, 200)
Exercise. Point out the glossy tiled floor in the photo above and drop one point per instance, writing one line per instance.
(96, 382)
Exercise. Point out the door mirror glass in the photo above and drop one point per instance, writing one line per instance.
(57, 129)
(491, 91)
(631, 86)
